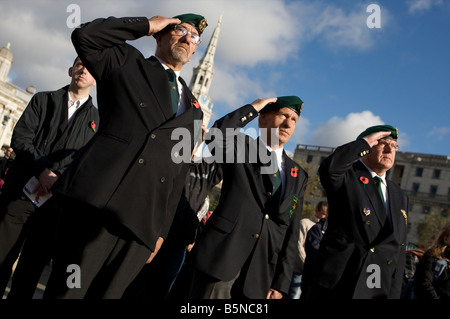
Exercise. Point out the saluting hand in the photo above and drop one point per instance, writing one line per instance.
(372, 139)
(157, 23)
(259, 104)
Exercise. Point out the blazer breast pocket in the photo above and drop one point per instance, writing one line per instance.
(221, 224)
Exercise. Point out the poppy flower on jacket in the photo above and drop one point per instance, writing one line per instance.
(93, 126)
(294, 172)
(364, 180)
(195, 104)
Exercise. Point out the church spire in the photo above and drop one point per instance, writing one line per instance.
(6, 60)
(203, 74)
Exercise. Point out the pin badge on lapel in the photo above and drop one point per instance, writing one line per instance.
(404, 215)
(293, 205)
(294, 172)
(366, 211)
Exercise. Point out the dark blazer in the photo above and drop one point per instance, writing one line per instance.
(42, 138)
(128, 170)
(248, 223)
(359, 236)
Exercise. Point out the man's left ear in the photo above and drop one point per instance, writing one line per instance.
(70, 71)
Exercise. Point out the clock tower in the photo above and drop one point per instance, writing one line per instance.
(203, 74)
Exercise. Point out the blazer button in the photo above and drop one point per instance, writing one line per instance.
(142, 104)
(367, 222)
(163, 179)
(389, 262)
(269, 194)
(153, 136)
(256, 236)
(267, 216)
(243, 119)
(141, 161)
(372, 250)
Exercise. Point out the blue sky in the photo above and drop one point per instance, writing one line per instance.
(349, 76)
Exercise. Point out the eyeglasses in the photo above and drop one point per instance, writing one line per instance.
(182, 31)
(386, 143)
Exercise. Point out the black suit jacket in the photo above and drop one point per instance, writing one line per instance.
(247, 222)
(128, 170)
(359, 237)
(43, 138)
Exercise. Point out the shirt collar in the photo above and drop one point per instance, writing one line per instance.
(278, 152)
(82, 101)
(177, 73)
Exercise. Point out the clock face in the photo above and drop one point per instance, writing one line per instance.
(203, 99)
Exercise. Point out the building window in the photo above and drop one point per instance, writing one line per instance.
(419, 171)
(433, 190)
(444, 212)
(426, 210)
(200, 80)
(415, 188)
(309, 159)
(436, 173)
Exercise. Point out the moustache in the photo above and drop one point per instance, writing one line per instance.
(182, 45)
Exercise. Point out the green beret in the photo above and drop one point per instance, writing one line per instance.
(197, 21)
(292, 102)
(380, 128)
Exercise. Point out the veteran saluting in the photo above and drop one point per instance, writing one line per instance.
(249, 245)
(362, 254)
(119, 197)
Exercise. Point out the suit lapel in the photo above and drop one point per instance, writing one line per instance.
(157, 78)
(372, 193)
(394, 206)
(291, 174)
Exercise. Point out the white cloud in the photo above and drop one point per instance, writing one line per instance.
(422, 5)
(338, 131)
(253, 33)
(439, 132)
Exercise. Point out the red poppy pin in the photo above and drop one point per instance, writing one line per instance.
(195, 104)
(294, 172)
(364, 180)
(93, 126)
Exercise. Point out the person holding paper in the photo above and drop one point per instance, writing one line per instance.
(53, 127)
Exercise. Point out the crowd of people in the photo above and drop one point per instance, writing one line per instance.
(100, 189)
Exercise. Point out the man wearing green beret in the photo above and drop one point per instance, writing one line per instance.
(249, 245)
(119, 197)
(362, 254)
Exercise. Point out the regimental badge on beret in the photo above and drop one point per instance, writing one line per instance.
(196, 20)
(202, 25)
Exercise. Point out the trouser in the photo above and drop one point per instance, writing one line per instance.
(94, 258)
(204, 286)
(15, 211)
(36, 252)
